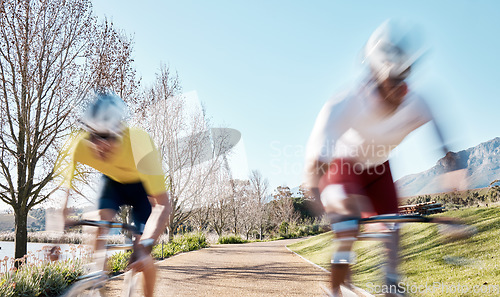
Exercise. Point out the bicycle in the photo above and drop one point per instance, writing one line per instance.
(458, 229)
(93, 284)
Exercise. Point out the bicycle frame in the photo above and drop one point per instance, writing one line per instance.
(91, 284)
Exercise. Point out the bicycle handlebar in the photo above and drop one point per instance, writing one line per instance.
(105, 224)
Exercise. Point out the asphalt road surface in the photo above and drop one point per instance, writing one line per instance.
(252, 269)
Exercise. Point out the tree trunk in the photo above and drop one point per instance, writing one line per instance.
(171, 227)
(21, 239)
(235, 227)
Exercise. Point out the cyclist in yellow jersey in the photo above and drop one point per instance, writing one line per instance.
(132, 175)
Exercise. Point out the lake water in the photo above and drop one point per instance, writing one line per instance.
(37, 251)
(67, 250)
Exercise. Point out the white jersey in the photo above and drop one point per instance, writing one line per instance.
(357, 126)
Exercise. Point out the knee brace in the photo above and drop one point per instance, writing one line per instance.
(343, 257)
(343, 253)
(346, 225)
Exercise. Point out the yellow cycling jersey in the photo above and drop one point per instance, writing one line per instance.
(135, 159)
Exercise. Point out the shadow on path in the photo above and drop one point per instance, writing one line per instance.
(252, 269)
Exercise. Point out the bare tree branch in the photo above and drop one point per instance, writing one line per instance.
(48, 62)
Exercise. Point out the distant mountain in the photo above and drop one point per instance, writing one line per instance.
(482, 163)
(7, 222)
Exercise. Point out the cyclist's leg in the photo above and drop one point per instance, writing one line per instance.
(110, 198)
(109, 202)
(343, 199)
(383, 196)
(149, 280)
(141, 210)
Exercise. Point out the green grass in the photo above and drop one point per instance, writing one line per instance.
(426, 259)
(317, 249)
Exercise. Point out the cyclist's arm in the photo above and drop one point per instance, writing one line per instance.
(333, 120)
(158, 219)
(456, 176)
(314, 171)
(64, 205)
(440, 136)
(72, 153)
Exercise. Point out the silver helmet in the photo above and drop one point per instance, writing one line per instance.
(105, 115)
(392, 49)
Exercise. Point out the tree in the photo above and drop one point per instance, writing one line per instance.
(282, 208)
(200, 218)
(240, 206)
(221, 193)
(192, 152)
(52, 53)
(494, 191)
(40, 44)
(259, 190)
(109, 66)
(304, 204)
(109, 63)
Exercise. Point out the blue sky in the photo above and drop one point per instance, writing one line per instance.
(265, 68)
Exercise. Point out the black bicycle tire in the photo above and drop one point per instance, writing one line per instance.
(132, 285)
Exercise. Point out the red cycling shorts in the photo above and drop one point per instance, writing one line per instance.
(375, 183)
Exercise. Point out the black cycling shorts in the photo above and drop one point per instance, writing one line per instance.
(114, 194)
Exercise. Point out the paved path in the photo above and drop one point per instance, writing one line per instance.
(252, 269)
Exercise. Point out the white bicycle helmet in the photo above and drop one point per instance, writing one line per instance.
(392, 49)
(105, 115)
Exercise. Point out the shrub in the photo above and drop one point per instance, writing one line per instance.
(40, 279)
(118, 262)
(166, 250)
(44, 278)
(183, 243)
(283, 229)
(231, 239)
(191, 241)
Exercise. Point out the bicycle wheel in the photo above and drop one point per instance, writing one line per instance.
(90, 287)
(82, 291)
(85, 293)
(131, 285)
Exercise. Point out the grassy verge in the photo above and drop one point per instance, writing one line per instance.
(468, 267)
